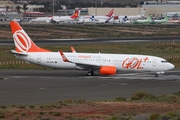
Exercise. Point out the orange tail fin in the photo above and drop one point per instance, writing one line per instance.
(22, 41)
(76, 14)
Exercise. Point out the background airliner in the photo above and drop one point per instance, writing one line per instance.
(57, 19)
(131, 17)
(160, 21)
(106, 64)
(73, 17)
(148, 20)
(93, 18)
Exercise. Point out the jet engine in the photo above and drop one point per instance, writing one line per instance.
(107, 70)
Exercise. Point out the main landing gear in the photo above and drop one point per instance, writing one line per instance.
(90, 73)
(156, 75)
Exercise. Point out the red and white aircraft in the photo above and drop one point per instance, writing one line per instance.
(95, 18)
(57, 19)
(106, 64)
(73, 17)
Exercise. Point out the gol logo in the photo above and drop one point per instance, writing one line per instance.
(22, 41)
(133, 63)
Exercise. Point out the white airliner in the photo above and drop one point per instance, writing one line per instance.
(106, 64)
(56, 18)
(41, 19)
(131, 17)
(160, 21)
(73, 17)
(148, 20)
(94, 18)
(122, 20)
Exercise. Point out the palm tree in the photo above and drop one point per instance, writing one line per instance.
(18, 9)
(25, 7)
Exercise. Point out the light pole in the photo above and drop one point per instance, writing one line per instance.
(139, 6)
(96, 7)
(53, 7)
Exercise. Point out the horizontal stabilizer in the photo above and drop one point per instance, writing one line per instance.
(19, 53)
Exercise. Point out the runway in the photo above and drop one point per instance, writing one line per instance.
(51, 86)
(50, 42)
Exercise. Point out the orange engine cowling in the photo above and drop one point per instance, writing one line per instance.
(107, 70)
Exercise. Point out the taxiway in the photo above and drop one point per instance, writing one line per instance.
(51, 86)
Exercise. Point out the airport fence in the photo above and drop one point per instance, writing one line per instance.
(13, 62)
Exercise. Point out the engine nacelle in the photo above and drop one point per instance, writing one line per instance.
(107, 70)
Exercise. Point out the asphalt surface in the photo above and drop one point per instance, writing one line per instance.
(95, 40)
(51, 86)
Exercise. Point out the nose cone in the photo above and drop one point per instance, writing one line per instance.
(171, 66)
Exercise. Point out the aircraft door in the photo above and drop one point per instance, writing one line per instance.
(154, 62)
(39, 59)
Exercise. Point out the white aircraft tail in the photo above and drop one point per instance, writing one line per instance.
(142, 12)
(22, 41)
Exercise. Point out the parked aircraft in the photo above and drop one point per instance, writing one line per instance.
(174, 21)
(85, 19)
(106, 64)
(41, 19)
(148, 20)
(172, 14)
(56, 18)
(132, 17)
(73, 17)
(160, 21)
(123, 20)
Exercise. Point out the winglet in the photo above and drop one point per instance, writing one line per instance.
(63, 57)
(73, 50)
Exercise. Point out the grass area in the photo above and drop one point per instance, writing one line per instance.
(144, 106)
(50, 31)
(160, 49)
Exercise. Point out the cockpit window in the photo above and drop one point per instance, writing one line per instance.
(164, 61)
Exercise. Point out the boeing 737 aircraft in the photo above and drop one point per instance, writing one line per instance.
(93, 18)
(160, 21)
(41, 19)
(106, 64)
(131, 17)
(148, 20)
(121, 21)
(58, 19)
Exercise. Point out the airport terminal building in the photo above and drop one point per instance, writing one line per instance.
(156, 8)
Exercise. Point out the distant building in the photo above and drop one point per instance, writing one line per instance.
(158, 8)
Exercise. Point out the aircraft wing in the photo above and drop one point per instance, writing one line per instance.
(55, 19)
(85, 66)
(81, 65)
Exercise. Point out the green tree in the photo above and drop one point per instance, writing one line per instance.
(25, 7)
(18, 9)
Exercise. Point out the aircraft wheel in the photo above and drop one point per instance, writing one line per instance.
(156, 75)
(90, 73)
